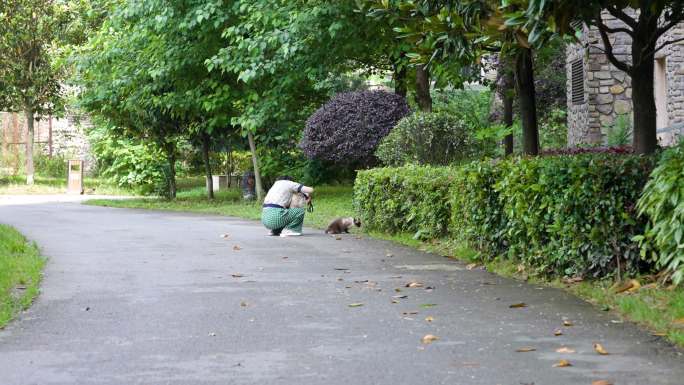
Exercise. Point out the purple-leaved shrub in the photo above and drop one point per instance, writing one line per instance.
(349, 127)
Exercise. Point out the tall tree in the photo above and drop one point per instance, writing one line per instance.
(645, 21)
(30, 80)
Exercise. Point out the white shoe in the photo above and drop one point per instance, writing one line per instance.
(289, 233)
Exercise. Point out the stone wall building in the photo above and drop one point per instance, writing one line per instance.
(63, 137)
(598, 92)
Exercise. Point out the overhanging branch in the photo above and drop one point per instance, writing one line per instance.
(608, 47)
(620, 14)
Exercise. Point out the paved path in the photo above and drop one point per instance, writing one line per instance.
(139, 297)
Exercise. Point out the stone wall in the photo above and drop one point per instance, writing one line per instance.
(62, 137)
(608, 91)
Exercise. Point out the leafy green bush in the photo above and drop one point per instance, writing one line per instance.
(54, 167)
(574, 215)
(477, 212)
(562, 215)
(427, 138)
(129, 164)
(663, 204)
(412, 199)
(620, 132)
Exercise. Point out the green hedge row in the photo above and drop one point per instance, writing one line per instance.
(563, 215)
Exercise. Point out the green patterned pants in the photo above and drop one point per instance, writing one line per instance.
(277, 219)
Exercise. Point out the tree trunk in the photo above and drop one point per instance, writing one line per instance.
(29, 146)
(508, 119)
(400, 80)
(644, 139)
(524, 81)
(423, 89)
(206, 139)
(255, 163)
(171, 158)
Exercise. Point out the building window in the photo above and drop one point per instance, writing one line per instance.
(578, 82)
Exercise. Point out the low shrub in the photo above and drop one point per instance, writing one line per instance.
(561, 215)
(574, 215)
(413, 199)
(663, 204)
(348, 128)
(427, 138)
(53, 167)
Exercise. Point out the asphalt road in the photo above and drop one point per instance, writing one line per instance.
(140, 297)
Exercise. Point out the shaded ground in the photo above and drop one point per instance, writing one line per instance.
(142, 297)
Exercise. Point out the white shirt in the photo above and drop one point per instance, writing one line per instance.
(281, 192)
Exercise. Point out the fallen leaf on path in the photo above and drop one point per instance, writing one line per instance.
(429, 338)
(285, 257)
(400, 296)
(565, 350)
(225, 235)
(427, 305)
(398, 290)
(358, 304)
(244, 304)
(237, 275)
(562, 364)
(389, 255)
(414, 284)
(517, 305)
(395, 276)
(338, 238)
(525, 349)
(340, 268)
(395, 301)
(471, 266)
(601, 382)
(410, 312)
(659, 334)
(600, 350)
(558, 333)
(429, 318)
(237, 247)
(567, 323)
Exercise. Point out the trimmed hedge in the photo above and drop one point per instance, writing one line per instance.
(563, 215)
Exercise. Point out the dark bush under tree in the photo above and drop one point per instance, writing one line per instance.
(349, 127)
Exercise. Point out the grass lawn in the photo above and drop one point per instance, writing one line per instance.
(20, 273)
(657, 309)
(16, 185)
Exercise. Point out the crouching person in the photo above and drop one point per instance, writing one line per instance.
(277, 215)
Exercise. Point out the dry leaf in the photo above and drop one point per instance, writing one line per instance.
(244, 304)
(224, 235)
(398, 290)
(573, 280)
(410, 312)
(400, 296)
(562, 364)
(601, 382)
(471, 266)
(429, 338)
(389, 255)
(429, 318)
(517, 305)
(525, 349)
(558, 333)
(427, 305)
(338, 238)
(237, 247)
(659, 334)
(414, 284)
(567, 323)
(237, 275)
(358, 304)
(600, 350)
(565, 350)
(630, 286)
